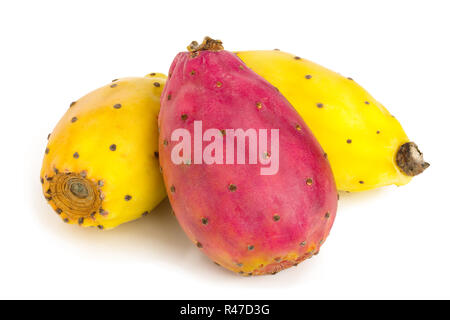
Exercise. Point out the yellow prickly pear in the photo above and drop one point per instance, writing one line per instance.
(101, 164)
(365, 144)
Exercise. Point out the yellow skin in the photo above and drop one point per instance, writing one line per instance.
(358, 134)
(101, 165)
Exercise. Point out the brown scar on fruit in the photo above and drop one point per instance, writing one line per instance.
(274, 268)
(410, 160)
(74, 195)
(207, 44)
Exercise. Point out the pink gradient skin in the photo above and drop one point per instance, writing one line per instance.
(240, 232)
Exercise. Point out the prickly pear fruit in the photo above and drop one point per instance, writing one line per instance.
(101, 165)
(247, 222)
(365, 144)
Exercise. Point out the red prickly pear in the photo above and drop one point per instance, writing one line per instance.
(245, 219)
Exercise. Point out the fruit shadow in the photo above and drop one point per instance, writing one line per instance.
(355, 198)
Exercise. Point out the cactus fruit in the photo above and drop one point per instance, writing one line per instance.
(101, 165)
(247, 222)
(365, 144)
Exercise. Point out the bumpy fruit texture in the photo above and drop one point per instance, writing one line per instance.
(101, 165)
(362, 139)
(246, 222)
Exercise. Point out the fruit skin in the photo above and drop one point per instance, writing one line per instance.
(246, 222)
(359, 135)
(104, 149)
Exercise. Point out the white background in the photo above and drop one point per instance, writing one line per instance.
(388, 243)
